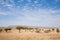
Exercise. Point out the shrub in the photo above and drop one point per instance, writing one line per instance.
(37, 30)
(0, 30)
(47, 31)
(29, 28)
(57, 30)
(6, 29)
(53, 29)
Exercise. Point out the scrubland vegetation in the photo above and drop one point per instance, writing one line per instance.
(29, 33)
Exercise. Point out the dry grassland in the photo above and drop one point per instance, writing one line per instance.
(15, 35)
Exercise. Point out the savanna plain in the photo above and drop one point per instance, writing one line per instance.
(30, 34)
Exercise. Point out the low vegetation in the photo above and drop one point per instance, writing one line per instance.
(53, 29)
(7, 29)
(20, 27)
(57, 30)
(37, 30)
(0, 30)
(27, 33)
(47, 31)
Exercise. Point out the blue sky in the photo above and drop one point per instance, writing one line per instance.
(45, 13)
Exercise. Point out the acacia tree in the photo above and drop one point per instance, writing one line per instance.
(19, 28)
(24, 28)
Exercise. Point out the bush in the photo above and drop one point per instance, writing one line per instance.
(57, 30)
(47, 31)
(37, 30)
(0, 30)
(53, 29)
(6, 29)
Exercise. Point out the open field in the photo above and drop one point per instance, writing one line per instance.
(29, 35)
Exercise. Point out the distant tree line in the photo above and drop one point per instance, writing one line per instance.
(29, 28)
(20, 27)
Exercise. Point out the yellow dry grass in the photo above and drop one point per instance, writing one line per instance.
(15, 35)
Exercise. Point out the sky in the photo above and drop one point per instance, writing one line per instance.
(44, 13)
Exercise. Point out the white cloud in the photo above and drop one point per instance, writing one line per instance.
(29, 1)
(48, 11)
(9, 5)
(1, 2)
(40, 17)
(20, 0)
(3, 13)
(56, 0)
(30, 16)
(36, 2)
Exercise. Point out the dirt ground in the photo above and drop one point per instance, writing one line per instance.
(15, 35)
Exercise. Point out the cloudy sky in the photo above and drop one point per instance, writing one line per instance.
(45, 13)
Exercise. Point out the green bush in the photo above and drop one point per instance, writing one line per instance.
(20, 27)
(6, 29)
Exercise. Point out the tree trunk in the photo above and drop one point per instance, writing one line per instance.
(19, 30)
